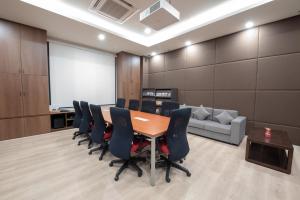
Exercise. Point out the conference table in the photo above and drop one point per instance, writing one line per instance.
(150, 125)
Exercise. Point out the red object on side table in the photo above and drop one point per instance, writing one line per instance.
(268, 133)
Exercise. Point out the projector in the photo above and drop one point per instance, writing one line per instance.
(160, 15)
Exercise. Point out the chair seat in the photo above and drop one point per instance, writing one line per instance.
(137, 145)
(163, 147)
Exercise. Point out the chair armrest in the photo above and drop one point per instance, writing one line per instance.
(238, 128)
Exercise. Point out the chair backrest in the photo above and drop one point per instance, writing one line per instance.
(134, 104)
(86, 119)
(148, 106)
(78, 114)
(176, 134)
(122, 136)
(120, 103)
(167, 107)
(99, 124)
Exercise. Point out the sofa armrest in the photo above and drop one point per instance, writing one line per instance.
(238, 128)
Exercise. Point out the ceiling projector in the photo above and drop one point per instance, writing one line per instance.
(159, 15)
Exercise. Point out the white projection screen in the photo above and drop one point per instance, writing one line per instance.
(83, 74)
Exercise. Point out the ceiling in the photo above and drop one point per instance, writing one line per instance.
(130, 36)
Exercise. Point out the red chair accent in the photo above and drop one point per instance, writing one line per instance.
(163, 147)
(137, 145)
(107, 135)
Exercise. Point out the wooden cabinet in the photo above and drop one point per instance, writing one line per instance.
(9, 47)
(10, 95)
(11, 128)
(35, 95)
(34, 51)
(128, 76)
(36, 125)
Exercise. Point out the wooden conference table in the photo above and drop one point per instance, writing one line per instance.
(150, 125)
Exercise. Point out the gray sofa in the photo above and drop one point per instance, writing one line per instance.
(210, 127)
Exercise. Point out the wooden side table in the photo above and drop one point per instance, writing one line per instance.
(275, 153)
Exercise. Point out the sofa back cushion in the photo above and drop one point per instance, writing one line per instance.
(234, 114)
(194, 108)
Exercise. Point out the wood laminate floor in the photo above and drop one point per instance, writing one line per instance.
(52, 166)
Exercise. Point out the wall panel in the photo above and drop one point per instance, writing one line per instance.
(175, 59)
(199, 78)
(201, 54)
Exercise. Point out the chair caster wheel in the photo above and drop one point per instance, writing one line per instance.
(78, 144)
(140, 174)
(116, 178)
(89, 147)
(181, 161)
(90, 153)
(111, 164)
(168, 180)
(73, 138)
(101, 159)
(188, 174)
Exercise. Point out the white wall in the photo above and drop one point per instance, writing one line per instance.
(78, 73)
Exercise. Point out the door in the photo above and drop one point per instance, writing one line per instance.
(35, 95)
(10, 95)
(9, 47)
(34, 51)
(11, 128)
(36, 125)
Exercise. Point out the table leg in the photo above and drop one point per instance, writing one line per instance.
(152, 172)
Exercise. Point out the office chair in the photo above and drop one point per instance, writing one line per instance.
(148, 106)
(134, 104)
(167, 107)
(121, 144)
(175, 146)
(77, 118)
(99, 134)
(120, 103)
(86, 122)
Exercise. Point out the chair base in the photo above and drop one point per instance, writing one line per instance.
(165, 163)
(75, 134)
(103, 147)
(126, 163)
(87, 139)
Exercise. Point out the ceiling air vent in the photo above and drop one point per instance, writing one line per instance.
(117, 10)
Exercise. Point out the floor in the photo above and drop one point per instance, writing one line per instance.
(52, 166)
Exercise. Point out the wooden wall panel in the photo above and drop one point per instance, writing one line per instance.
(36, 125)
(11, 128)
(10, 95)
(9, 47)
(36, 95)
(34, 51)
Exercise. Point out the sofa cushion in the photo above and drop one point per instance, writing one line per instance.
(194, 108)
(200, 114)
(217, 127)
(197, 123)
(216, 112)
(224, 118)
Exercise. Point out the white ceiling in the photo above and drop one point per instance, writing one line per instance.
(73, 31)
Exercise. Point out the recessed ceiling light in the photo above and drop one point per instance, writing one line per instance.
(153, 53)
(188, 43)
(147, 30)
(101, 37)
(249, 24)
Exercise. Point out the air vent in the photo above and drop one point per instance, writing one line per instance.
(117, 10)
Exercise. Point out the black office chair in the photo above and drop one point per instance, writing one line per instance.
(148, 106)
(86, 123)
(121, 144)
(175, 147)
(77, 118)
(134, 104)
(120, 103)
(167, 107)
(100, 134)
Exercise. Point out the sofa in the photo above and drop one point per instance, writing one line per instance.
(210, 127)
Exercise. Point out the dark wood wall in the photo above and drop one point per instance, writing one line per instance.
(129, 72)
(255, 71)
(24, 97)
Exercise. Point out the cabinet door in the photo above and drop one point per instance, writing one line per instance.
(9, 47)
(36, 125)
(135, 78)
(11, 128)
(34, 51)
(10, 95)
(35, 95)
